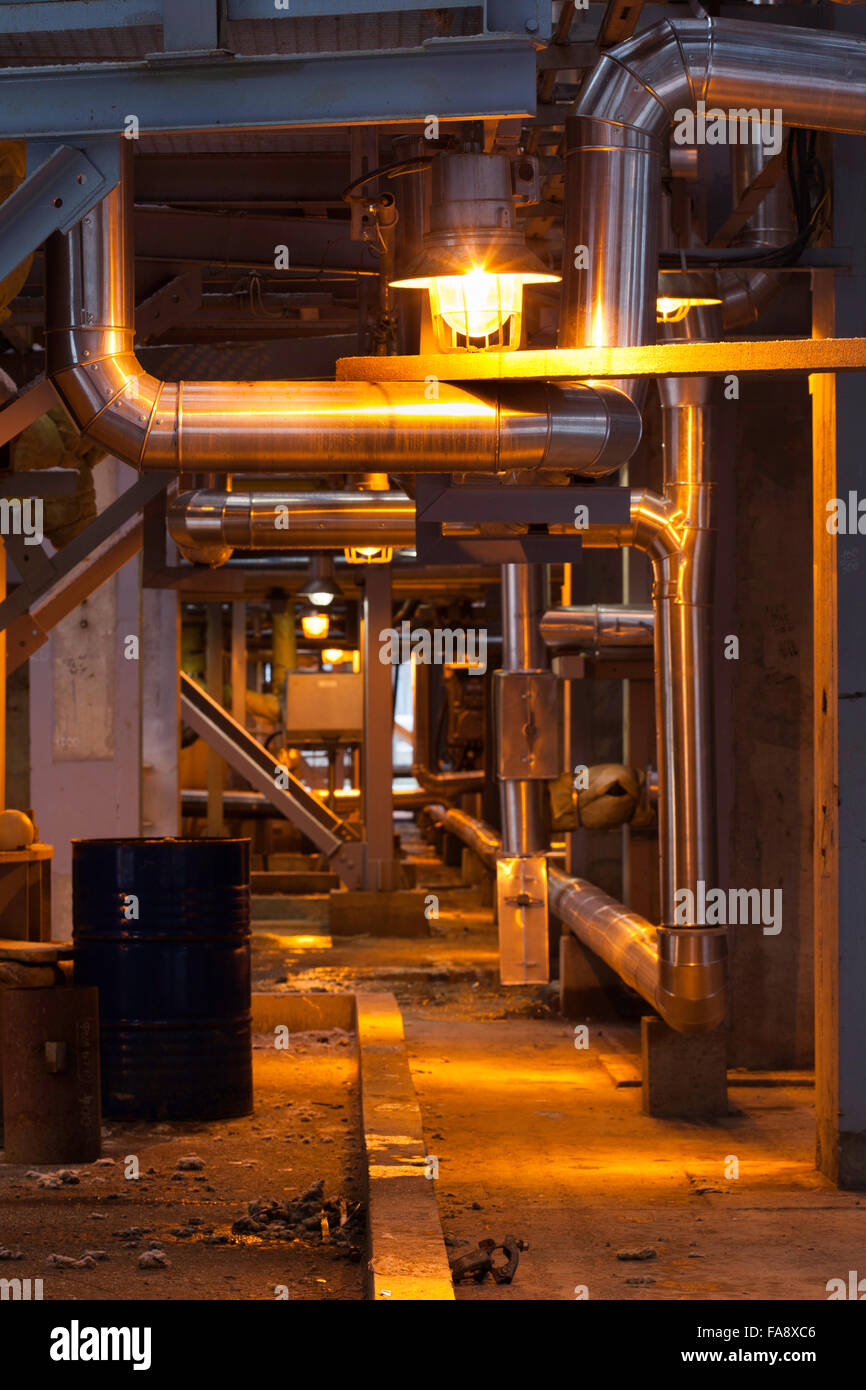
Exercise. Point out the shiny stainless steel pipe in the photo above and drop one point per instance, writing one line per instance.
(676, 532)
(744, 293)
(525, 595)
(292, 427)
(681, 974)
(251, 520)
(616, 136)
(442, 783)
(596, 625)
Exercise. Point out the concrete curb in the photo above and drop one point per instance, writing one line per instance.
(408, 1258)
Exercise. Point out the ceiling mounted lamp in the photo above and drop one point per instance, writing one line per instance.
(679, 292)
(321, 588)
(474, 261)
(315, 624)
(369, 554)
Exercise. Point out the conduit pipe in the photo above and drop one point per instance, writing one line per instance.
(618, 132)
(291, 427)
(675, 531)
(213, 522)
(525, 590)
(594, 626)
(441, 783)
(744, 293)
(686, 987)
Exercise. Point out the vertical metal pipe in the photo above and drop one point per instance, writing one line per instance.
(682, 600)
(613, 177)
(525, 593)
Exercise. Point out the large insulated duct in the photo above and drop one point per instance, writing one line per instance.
(686, 986)
(618, 132)
(291, 427)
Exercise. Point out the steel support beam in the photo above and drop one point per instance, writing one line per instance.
(839, 565)
(179, 234)
(191, 25)
(51, 16)
(785, 356)
(52, 198)
(43, 572)
(457, 79)
(290, 798)
(22, 410)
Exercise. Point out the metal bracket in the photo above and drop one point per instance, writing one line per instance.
(532, 17)
(437, 500)
(522, 914)
(247, 756)
(27, 407)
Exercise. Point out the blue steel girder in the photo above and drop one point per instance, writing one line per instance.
(40, 16)
(453, 79)
(54, 196)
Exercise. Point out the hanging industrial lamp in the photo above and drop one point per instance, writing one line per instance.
(321, 588)
(474, 261)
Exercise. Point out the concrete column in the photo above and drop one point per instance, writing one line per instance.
(85, 717)
(377, 758)
(160, 712)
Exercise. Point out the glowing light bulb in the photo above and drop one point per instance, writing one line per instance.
(315, 624)
(478, 304)
(670, 309)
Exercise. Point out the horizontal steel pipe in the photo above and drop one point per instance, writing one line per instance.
(293, 427)
(250, 520)
(680, 973)
(597, 625)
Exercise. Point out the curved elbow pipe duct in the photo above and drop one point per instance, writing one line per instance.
(617, 133)
(292, 427)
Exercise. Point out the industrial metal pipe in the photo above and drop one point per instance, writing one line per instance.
(616, 136)
(596, 625)
(292, 427)
(682, 599)
(682, 975)
(744, 293)
(525, 590)
(214, 521)
(449, 783)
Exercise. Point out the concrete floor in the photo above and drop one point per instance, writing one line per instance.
(306, 1127)
(534, 1138)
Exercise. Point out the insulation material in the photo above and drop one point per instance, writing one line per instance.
(52, 441)
(13, 167)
